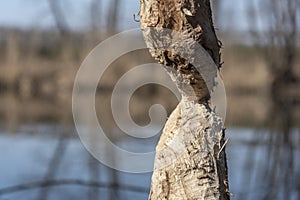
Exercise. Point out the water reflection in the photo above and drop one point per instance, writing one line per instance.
(259, 168)
(46, 169)
(273, 159)
(264, 163)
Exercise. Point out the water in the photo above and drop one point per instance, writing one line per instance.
(258, 168)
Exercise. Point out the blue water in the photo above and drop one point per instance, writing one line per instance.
(25, 158)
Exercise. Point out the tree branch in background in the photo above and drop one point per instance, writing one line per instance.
(278, 37)
(282, 34)
(112, 21)
(216, 7)
(59, 17)
(274, 28)
(95, 14)
(54, 163)
(61, 182)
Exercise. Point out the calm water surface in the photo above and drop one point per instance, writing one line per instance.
(260, 167)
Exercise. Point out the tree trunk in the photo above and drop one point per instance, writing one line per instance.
(190, 158)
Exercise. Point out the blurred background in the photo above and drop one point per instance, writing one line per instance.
(43, 43)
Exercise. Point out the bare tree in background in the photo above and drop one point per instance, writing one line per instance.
(282, 34)
(59, 17)
(95, 14)
(278, 39)
(216, 8)
(95, 20)
(278, 36)
(112, 21)
(276, 30)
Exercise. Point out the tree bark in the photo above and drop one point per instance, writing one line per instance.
(190, 161)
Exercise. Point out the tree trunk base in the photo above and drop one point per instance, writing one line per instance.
(189, 156)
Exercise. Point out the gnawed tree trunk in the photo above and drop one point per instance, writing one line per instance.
(190, 162)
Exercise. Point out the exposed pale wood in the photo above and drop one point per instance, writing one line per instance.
(191, 159)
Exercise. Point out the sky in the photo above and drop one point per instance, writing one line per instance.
(36, 13)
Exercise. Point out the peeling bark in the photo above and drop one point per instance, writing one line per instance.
(190, 162)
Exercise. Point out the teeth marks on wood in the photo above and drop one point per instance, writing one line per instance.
(197, 165)
(179, 15)
(188, 163)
